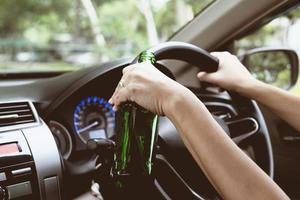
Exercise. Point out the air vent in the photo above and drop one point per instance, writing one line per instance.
(16, 113)
(221, 110)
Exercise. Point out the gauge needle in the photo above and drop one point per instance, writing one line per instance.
(88, 127)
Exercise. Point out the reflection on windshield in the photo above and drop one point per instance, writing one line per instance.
(63, 35)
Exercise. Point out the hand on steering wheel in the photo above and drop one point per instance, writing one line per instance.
(204, 137)
(151, 89)
(145, 85)
(231, 74)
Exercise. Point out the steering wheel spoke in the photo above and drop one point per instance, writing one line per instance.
(242, 129)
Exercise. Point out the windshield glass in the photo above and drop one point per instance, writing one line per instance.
(65, 35)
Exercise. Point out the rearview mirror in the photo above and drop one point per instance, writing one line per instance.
(278, 67)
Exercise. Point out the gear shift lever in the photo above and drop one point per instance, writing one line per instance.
(104, 148)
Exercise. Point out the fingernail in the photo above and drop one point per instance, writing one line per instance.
(115, 108)
(110, 101)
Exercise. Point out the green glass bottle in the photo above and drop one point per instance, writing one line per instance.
(136, 136)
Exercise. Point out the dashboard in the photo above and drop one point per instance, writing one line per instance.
(83, 112)
(76, 109)
(85, 115)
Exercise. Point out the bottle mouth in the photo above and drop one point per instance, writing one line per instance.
(147, 56)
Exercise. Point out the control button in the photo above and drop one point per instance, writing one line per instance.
(3, 193)
(19, 190)
(51, 188)
(2, 176)
(22, 171)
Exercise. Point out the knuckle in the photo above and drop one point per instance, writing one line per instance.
(133, 89)
(128, 68)
(117, 97)
(235, 57)
(124, 70)
(136, 74)
(131, 98)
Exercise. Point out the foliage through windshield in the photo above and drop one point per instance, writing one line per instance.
(63, 35)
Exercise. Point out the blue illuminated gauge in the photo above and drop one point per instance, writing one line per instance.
(94, 118)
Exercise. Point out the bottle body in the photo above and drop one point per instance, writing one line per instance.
(136, 136)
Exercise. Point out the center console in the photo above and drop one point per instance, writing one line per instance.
(30, 165)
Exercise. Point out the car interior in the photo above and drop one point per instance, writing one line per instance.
(58, 130)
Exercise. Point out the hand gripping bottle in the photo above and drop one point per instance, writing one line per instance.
(136, 136)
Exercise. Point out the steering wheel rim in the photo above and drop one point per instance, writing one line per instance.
(206, 62)
(184, 52)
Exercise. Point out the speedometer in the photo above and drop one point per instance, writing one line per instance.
(94, 118)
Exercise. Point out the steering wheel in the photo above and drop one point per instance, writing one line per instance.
(245, 125)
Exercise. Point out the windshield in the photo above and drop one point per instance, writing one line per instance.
(65, 35)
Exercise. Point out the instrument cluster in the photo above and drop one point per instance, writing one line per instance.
(85, 114)
(93, 118)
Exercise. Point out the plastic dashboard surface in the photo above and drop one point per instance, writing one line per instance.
(57, 97)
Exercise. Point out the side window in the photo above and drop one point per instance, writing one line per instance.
(284, 31)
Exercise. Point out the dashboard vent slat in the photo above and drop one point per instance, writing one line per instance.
(222, 110)
(16, 113)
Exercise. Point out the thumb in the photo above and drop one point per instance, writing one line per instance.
(207, 77)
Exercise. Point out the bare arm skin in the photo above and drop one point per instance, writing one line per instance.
(232, 173)
(233, 76)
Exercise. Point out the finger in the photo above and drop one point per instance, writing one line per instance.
(216, 54)
(111, 100)
(207, 77)
(128, 68)
(219, 54)
(200, 74)
(122, 83)
(226, 53)
(120, 97)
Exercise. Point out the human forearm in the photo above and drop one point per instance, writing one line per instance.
(280, 102)
(219, 158)
(207, 142)
(233, 76)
